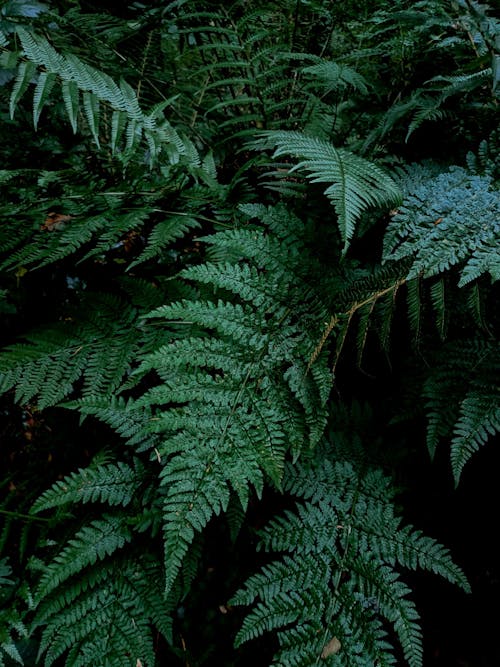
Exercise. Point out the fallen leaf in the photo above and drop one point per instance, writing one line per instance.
(331, 648)
(55, 221)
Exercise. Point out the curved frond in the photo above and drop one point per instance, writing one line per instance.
(355, 184)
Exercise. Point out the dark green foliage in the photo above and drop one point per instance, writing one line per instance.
(109, 483)
(106, 617)
(12, 627)
(127, 120)
(97, 350)
(338, 577)
(463, 399)
(214, 216)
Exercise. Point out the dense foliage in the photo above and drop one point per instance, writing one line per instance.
(218, 220)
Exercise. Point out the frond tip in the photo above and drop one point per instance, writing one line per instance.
(355, 184)
(463, 399)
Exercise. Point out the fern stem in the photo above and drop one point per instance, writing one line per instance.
(334, 320)
(143, 64)
(295, 25)
(343, 561)
(23, 517)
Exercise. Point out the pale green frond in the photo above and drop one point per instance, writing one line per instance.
(355, 183)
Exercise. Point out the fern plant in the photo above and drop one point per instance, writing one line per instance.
(219, 423)
(167, 275)
(444, 34)
(336, 589)
(97, 351)
(241, 392)
(109, 616)
(449, 221)
(96, 87)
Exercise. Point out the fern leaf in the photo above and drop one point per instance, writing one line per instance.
(446, 219)
(438, 298)
(479, 420)
(107, 621)
(71, 95)
(96, 87)
(98, 349)
(91, 107)
(12, 622)
(426, 109)
(94, 542)
(356, 183)
(239, 380)
(163, 234)
(197, 492)
(335, 76)
(345, 518)
(112, 483)
(414, 308)
(127, 418)
(43, 88)
(462, 399)
(381, 583)
(24, 77)
(118, 123)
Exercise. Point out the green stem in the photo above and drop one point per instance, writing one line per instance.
(25, 517)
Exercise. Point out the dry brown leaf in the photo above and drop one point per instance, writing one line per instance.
(55, 221)
(331, 648)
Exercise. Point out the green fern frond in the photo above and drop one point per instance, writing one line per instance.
(462, 400)
(12, 626)
(447, 219)
(479, 420)
(462, 83)
(335, 76)
(96, 87)
(381, 583)
(94, 542)
(483, 259)
(438, 299)
(25, 74)
(320, 605)
(98, 350)
(425, 109)
(125, 417)
(108, 618)
(237, 378)
(163, 234)
(102, 225)
(355, 183)
(414, 306)
(48, 247)
(111, 483)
